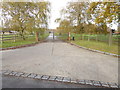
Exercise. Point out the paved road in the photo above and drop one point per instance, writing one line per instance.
(19, 82)
(62, 59)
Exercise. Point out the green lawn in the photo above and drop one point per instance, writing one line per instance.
(17, 43)
(97, 46)
(29, 40)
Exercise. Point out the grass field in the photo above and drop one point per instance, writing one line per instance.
(29, 40)
(97, 45)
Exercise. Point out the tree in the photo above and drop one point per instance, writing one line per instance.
(90, 29)
(82, 14)
(18, 16)
(26, 16)
(75, 12)
(65, 26)
(104, 13)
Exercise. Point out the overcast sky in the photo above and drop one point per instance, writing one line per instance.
(56, 6)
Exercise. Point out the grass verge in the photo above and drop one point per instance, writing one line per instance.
(97, 46)
(29, 40)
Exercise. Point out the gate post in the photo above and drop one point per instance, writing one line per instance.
(69, 36)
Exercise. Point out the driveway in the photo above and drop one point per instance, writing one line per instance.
(57, 58)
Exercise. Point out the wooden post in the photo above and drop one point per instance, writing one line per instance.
(69, 36)
(2, 38)
(53, 34)
(96, 38)
(15, 38)
(88, 38)
(37, 36)
(110, 38)
(82, 37)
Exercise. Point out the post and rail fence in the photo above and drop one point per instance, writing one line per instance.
(11, 37)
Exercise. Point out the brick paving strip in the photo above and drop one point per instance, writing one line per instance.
(93, 50)
(60, 79)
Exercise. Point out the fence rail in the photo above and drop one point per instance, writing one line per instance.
(100, 38)
(12, 37)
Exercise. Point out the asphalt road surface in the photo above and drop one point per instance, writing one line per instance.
(57, 58)
(19, 82)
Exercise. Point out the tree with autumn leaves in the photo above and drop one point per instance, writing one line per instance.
(104, 13)
(26, 17)
(91, 18)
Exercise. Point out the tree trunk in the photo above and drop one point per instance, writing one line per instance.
(22, 35)
(37, 38)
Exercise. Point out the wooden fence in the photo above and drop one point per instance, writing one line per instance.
(11, 37)
(100, 38)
